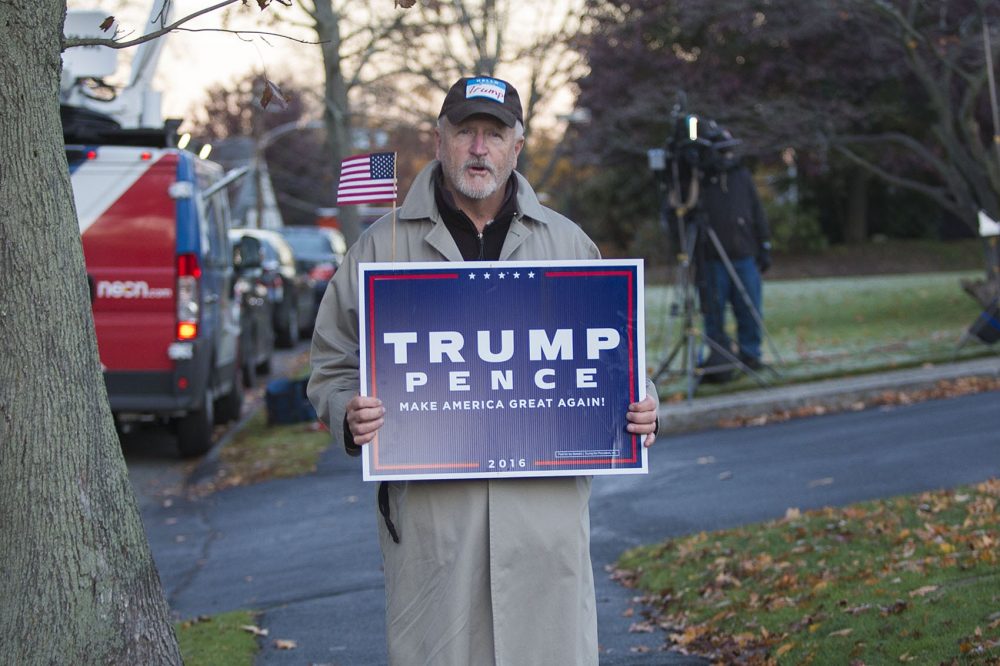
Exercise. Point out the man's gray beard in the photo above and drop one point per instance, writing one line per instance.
(500, 176)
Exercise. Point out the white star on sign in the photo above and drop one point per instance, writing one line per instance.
(531, 274)
(501, 275)
(486, 276)
(472, 276)
(516, 275)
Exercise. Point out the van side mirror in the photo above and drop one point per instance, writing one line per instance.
(247, 253)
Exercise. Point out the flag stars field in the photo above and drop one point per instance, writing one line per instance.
(502, 275)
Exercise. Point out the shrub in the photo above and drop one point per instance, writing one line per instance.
(794, 229)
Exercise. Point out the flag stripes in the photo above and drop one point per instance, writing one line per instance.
(367, 179)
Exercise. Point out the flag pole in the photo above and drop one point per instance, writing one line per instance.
(395, 156)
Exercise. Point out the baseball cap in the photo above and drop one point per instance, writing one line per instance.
(482, 94)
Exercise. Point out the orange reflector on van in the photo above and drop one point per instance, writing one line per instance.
(187, 330)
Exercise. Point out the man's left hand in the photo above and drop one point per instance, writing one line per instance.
(764, 257)
(642, 420)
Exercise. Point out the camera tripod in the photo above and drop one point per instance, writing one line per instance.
(686, 349)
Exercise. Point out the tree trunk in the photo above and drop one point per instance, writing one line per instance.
(77, 580)
(336, 111)
(856, 224)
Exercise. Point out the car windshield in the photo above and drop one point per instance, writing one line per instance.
(309, 243)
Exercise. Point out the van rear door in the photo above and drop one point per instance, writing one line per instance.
(128, 228)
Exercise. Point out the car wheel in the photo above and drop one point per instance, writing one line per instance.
(194, 430)
(230, 406)
(288, 336)
(249, 374)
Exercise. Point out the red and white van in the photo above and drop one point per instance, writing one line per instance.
(154, 224)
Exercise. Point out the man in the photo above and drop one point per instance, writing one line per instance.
(477, 571)
(730, 207)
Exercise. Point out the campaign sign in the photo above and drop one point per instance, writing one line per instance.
(493, 369)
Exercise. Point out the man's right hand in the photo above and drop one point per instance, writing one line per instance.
(365, 416)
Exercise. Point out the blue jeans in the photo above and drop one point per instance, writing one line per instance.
(719, 290)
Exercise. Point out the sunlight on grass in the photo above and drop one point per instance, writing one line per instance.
(893, 581)
(219, 640)
(277, 450)
(260, 452)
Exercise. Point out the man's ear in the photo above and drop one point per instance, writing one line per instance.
(518, 145)
(437, 143)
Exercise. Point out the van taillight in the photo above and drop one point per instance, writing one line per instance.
(188, 285)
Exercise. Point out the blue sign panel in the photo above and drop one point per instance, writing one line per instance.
(491, 369)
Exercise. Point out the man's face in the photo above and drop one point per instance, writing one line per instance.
(477, 155)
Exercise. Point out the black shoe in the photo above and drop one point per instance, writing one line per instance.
(716, 370)
(752, 362)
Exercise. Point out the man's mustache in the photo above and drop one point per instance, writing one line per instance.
(480, 164)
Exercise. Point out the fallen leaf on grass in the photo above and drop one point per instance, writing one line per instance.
(857, 610)
(923, 591)
(255, 630)
(893, 609)
(792, 513)
(690, 635)
(784, 649)
(841, 632)
(641, 628)
(285, 644)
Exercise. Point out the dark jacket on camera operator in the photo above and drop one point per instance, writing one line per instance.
(732, 208)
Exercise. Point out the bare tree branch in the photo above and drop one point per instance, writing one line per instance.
(240, 33)
(938, 194)
(70, 42)
(897, 138)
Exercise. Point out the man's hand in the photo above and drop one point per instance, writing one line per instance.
(642, 420)
(764, 257)
(364, 417)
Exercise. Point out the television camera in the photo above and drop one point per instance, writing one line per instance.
(695, 148)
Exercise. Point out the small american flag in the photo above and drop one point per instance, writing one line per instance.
(367, 179)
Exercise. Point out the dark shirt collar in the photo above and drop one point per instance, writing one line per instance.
(463, 230)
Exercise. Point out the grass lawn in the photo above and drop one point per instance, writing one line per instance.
(260, 452)
(219, 640)
(908, 579)
(831, 327)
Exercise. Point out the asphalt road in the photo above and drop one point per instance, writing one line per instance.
(304, 551)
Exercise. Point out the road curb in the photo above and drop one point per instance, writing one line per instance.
(832, 394)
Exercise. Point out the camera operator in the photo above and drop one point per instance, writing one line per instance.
(729, 205)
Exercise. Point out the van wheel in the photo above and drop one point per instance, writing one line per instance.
(288, 337)
(194, 430)
(249, 374)
(230, 406)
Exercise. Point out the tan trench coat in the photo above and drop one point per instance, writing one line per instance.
(486, 571)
